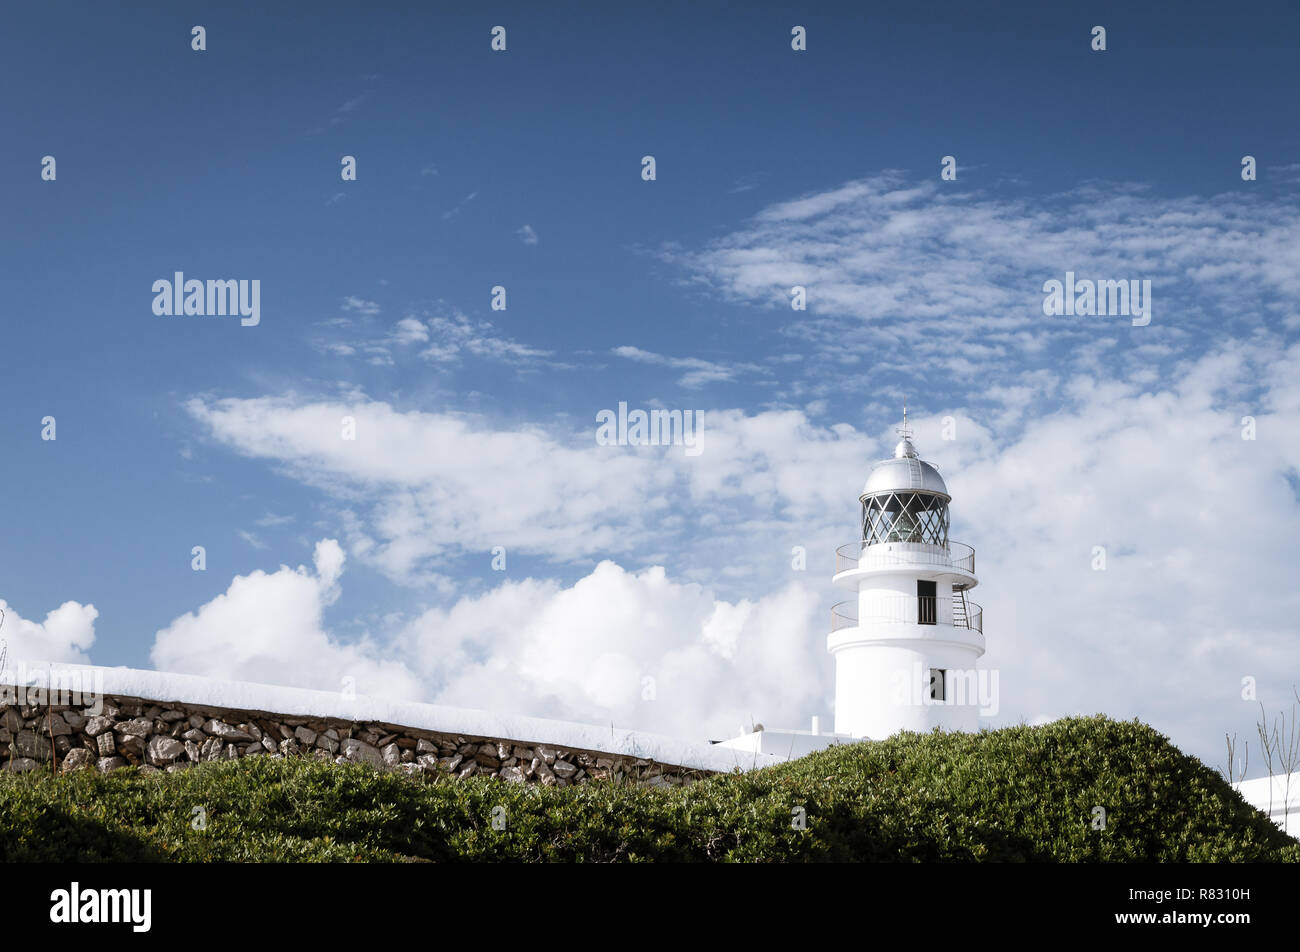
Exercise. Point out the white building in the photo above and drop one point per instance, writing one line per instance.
(905, 646)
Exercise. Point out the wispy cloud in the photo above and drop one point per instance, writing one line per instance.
(747, 183)
(252, 539)
(449, 336)
(361, 306)
(271, 519)
(698, 372)
(456, 335)
(527, 235)
(908, 280)
(341, 113)
(453, 212)
(350, 105)
(1286, 173)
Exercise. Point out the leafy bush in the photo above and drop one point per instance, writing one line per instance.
(1015, 794)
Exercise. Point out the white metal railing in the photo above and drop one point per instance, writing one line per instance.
(955, 555)
(906, 609)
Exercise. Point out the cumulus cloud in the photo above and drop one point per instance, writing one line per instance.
(618, 647)
(267, 627)
(410, 330)
(65, 636)
(624, 648)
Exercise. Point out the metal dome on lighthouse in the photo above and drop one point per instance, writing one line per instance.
(905, 470)
(905, 647)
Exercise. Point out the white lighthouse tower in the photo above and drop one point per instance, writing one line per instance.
(905, 646)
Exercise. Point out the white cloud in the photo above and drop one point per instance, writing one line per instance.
(937, 286)
(625, 648)
(360, 305)
(65, 636)
(449, 335)
(453, 212)
(555, 493)
(698, 372)
(455, 335)
(252, 539)
(409, 330)
(340, 114)
(268, 628)
(527, 235)
(271, 519)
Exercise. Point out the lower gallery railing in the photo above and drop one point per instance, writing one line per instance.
(908, 609)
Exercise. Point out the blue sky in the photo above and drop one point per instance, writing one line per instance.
(775, 168)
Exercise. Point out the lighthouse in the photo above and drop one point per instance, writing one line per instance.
(905, 645)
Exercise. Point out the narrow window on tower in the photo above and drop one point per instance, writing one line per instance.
(937, 678)
(925, 602)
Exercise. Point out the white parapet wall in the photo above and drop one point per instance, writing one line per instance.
(1277, 796)
(785, 744)
(194, 690)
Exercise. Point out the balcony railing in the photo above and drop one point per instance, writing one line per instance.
(884, 554)
(908, 609)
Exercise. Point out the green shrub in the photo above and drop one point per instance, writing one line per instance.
(1015, 794)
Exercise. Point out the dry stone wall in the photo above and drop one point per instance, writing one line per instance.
(152, 736)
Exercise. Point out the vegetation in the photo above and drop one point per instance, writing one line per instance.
(1015, 794)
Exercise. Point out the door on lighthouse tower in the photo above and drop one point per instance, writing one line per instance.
(926, 594)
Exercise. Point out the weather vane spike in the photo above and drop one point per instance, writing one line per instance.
(903, 431)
